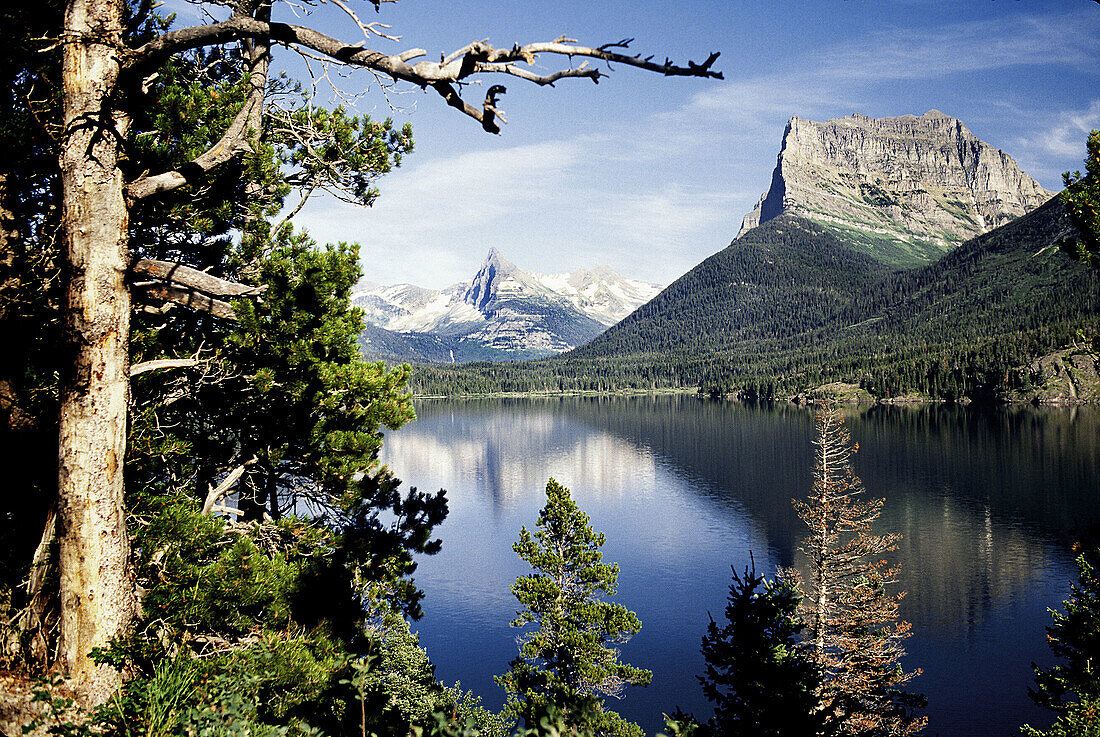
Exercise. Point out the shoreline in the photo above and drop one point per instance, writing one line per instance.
(563, 393)
(796, 400)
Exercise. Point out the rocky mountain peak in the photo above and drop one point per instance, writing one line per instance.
(495, 260)
(484, 284)
(904, 189)
(503, 312)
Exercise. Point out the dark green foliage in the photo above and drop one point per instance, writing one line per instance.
(681, 724)
(273, 616)
(285, 601)
(397, 687)
(1082, 200)
(1075, 638)
(1080, 719)
(219, 625)
(762, 679)
(568, 663)
(331, 150)
(790, 306)
(548, 722)
(288, 397)
(30, 289)
(255, 625)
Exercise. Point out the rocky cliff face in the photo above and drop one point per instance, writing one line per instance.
(1068, 376)
(487, 281)
(904, 190)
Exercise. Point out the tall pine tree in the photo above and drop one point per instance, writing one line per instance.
(569, 662)
(1082, 200)
(762, 678)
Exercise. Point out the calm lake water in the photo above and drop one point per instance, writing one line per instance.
(988, 502)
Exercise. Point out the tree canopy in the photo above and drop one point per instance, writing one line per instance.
(760, 674)
(1082, 200)
(570, 661)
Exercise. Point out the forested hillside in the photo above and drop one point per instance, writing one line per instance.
(789, 306)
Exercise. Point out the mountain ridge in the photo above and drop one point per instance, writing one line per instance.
(502, 313)
(790, 306)
(905, 189)
(874, 292)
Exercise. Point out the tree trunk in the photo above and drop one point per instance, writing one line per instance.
(821, 601)
(97, 590)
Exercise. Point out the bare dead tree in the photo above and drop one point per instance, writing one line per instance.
(851, 618)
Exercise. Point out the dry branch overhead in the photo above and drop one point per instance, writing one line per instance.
(479, 57)
(235, 140)
(183, 285)
(215, 494)
(163, 363)
(188, 298)
(189, 278)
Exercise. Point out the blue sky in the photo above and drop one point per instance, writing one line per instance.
(650, 174)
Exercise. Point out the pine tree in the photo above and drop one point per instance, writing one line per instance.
(569, 662)
(1075, 638)
(251, 395)
(1080, 719)
(851, 620)
(1082, 200)
(762, 678)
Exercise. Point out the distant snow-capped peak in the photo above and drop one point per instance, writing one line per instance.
(550, 312)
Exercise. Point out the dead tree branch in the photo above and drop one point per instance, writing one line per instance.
(216, 493)
(477, 57)
(163, 363)
(187, 277)
(34, 620)
(166, 292)
(238, 137)
(174, 282)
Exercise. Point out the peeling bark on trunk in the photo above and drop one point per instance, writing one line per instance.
(97, 589)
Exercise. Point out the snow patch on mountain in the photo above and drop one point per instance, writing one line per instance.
(504, 311)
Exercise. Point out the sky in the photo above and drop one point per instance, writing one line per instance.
(652, 174)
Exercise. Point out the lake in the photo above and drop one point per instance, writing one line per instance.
(988, 502)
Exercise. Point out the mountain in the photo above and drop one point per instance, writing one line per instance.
(904, 190)
(503, 313)
(791, 305)
(811, 291)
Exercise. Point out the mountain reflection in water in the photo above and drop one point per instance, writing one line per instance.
(987, 502)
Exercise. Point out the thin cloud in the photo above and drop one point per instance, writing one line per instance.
(1058, 144)
(1068, 39)
(823, 87)
(557, 203)
(672, 214)
(750, 106)
(462, 191)
(1066, 137)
